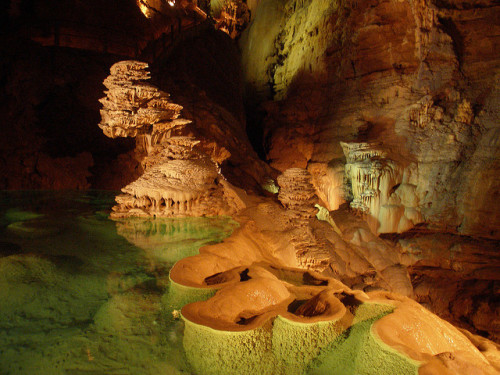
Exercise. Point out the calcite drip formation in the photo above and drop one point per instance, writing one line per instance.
(380, 189)
(297, 192)
(181, 173)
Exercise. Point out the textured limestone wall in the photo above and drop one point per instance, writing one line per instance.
(417, 76)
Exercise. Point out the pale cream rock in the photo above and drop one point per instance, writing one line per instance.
(379, 188)
(328, 179)
(180, 178)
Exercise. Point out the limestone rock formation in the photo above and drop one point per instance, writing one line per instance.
(380, 189)
(174, 188)
(263, 320)
(417, 78)
(180, 178)
(297, 193)
(468, 297)
(383, 98)
(134, 108)
(211, 96)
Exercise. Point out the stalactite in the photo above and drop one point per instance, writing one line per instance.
(372, 176)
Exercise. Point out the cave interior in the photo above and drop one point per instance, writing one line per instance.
(354, 142)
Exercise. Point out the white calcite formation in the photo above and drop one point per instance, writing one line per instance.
(133, 107)
(174, 188)
(180, 178)
(380, 189)
(297, 192)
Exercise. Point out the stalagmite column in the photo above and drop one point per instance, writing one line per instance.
(297, 192)
(180, 178)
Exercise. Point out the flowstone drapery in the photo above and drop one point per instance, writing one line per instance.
(380, 189)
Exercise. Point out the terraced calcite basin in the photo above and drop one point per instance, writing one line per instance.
(281, 321)
(244, 314)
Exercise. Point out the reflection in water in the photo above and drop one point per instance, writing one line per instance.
(169, 240)
(81, 294)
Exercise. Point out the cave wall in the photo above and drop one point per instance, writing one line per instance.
(54, 58)
(51, 86)
(49, 114)
(418, 79)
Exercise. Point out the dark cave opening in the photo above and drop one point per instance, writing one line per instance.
(255, 130)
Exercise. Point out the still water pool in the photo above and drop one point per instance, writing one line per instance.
(81, 294)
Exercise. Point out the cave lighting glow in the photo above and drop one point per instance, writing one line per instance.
(144, 9)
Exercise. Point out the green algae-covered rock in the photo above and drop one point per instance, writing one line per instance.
(180, 295)
(295, 344)
(285, 346)
(214, 352)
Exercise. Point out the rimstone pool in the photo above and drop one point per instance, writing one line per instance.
(82, 294)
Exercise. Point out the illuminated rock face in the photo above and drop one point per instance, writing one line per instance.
(174, 188)
(180, 179)
(415, 77)
(133, 107)
(380, 189)
(297, 193)
(231, 17)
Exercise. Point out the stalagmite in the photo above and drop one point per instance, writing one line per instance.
(180, 178)
(297, 193)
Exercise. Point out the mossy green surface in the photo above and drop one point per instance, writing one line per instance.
(296, 344)
(180, 295)
(288, 347)
(358, 351)
(14, 215)
(213, 352)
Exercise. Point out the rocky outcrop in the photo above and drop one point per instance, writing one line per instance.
(263, 320)
(211, 96)
(181, 175)
(135, 108)
(175, 188)
(393, 107)
(245, 310)
(470, 268)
